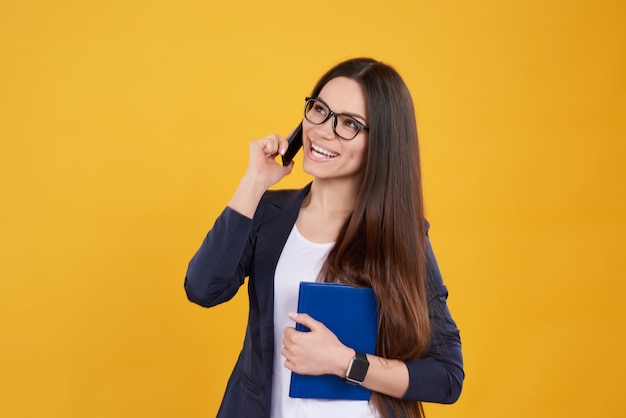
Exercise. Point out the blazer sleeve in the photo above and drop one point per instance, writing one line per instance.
(437, 377)
(221, 264)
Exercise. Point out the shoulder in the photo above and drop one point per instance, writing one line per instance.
(284, 198)
(281, 204)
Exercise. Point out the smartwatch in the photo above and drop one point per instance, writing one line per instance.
(357, 370)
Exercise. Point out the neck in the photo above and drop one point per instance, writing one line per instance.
(332, 197)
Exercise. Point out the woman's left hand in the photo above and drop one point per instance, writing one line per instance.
(316, 352)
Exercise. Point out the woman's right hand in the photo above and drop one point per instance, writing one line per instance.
(262, 173)
(263, 168)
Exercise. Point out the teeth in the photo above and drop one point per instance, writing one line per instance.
(323, 152)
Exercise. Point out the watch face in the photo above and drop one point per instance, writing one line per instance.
(358, 369)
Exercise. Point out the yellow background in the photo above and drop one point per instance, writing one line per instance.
(124, 128)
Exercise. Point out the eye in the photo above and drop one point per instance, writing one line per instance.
(320, 109)
(350, 124)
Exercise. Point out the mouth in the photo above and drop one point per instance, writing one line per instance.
(322, 153)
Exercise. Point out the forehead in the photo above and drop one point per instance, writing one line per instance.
(344, 95)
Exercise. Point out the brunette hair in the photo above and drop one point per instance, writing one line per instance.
(383, 243)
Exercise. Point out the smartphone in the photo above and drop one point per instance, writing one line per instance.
(295, 143)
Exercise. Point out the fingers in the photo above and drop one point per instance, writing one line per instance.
(304, 319)
(273, 145)
(312, 352)
(285, 351)
(292, 338)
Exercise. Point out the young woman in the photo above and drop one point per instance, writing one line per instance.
(360, 222)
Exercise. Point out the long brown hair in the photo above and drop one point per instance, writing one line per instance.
(383, 243)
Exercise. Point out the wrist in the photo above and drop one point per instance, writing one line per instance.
(254, 183)
(344, 358)
(247, 195)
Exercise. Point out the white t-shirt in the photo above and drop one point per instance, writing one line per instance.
(301, 261)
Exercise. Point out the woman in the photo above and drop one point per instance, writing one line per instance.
(359, 222)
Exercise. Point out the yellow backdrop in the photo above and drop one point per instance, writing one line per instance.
(124, 128)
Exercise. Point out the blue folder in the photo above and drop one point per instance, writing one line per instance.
(352, 315)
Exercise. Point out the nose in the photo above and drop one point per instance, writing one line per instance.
(326, 130)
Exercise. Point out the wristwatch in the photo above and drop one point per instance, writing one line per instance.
(357, 370)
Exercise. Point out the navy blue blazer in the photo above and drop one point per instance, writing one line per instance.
(238, 247)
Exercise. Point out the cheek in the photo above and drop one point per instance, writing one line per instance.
(360, 153)
(307, 126)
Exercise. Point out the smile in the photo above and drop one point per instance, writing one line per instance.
(321, 152)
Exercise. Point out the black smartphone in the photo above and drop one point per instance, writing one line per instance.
(295, 143)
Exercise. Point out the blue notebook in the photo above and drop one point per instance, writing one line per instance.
(351, 314)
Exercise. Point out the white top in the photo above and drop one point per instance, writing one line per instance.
(301, 260)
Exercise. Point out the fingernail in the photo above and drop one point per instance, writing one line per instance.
(282, 151)
(292, 315)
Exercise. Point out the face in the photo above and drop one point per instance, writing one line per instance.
(327, 156)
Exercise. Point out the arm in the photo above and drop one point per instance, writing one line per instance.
(320, 352)
(220, 266)
(437, 377)
(263, 172)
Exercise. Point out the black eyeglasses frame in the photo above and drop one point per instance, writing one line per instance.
(334, 115)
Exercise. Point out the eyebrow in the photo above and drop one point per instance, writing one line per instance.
(354, 115)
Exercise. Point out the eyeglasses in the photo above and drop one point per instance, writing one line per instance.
(344, 126)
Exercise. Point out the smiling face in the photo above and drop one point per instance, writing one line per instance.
(326, 156)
